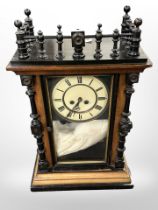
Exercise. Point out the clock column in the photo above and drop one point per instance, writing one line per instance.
(125, 122)
(36, 126)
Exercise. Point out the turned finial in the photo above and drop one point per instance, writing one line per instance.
(98, 37)
(18, 24)
(27, 12)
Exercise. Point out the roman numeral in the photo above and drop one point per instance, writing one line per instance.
(99, 89)
(90, 114)
(91, 82)
(68, 82)
(79, 79)
(69, 114)
(98, 107)
(57, 99)
(101, 98)
(80, 116)
(60, 90)
(61, 108)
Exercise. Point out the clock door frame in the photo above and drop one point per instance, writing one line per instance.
(61, 166)
(118, 177)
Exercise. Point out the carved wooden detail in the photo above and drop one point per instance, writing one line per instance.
(125, 123)
(60, 43)
(36, 126)
(98, 37)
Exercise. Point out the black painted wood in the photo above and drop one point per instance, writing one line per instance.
(135, 39)
(125, 20)
(41, 42)
(116, 186)
(29, 21)
(22, 52)
(115, 52)
(36, 126)
(125, 123)
(51, 48)
(59, 55)
(98, 37)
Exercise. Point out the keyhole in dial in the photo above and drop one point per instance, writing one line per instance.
(72, 102)
(86, 102)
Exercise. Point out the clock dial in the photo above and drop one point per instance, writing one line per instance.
(79, 98)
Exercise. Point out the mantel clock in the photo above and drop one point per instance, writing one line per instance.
(80, 88)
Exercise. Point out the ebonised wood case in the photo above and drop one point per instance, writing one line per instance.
(116, 55)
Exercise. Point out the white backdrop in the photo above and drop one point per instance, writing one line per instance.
(17, 145)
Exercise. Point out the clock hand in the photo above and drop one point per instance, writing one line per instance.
(76, 107)
(78, 103)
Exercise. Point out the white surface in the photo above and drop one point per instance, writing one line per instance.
(74, 137)
(17, 145)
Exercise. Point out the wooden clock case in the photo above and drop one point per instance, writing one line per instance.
(125, 68)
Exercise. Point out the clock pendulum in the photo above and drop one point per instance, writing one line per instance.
(80, 94)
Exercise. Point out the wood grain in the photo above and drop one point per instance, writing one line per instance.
(41, 112)
(107, 176)
(119, 109)
(77, 69)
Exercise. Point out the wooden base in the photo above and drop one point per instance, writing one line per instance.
(87, 180)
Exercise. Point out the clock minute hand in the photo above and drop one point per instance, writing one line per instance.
(78, 103)
(75, 107)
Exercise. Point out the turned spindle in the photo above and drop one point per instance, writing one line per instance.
(20, 41)
(41, 41)
(115, 40)
(59, 42)
(98, 37)
(135, 39)
(126, 17)
(29, 21)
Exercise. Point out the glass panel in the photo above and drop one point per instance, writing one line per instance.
(80, 141)
(80, 113)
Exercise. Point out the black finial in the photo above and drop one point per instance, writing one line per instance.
(136, 38)
(99, 26)
(40, 40)
(18, 24)
(138, 22)
(59, 28)
(115, 40)
(20, 41)
(29, 21)
(98, 37)
(126, 17)
(27, 12)
(60, 42)
(127, 9)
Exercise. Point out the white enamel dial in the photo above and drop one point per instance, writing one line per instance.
(79, 98)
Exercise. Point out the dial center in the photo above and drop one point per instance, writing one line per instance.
(83, 96)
